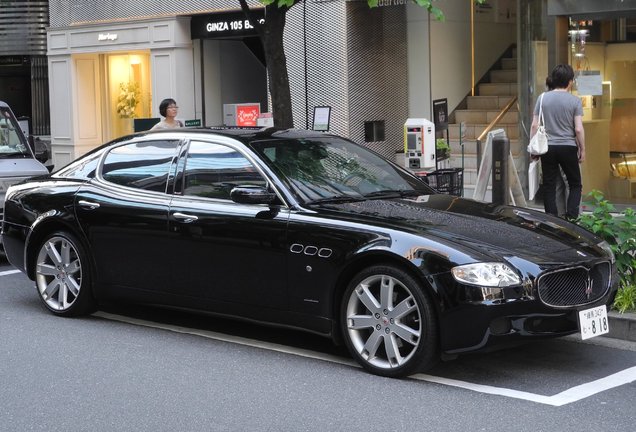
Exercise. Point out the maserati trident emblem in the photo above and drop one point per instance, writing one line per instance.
(588, 288)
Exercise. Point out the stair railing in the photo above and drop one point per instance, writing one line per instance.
(491, 126)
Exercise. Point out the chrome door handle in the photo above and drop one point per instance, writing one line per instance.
(185, 218)
(88, 205)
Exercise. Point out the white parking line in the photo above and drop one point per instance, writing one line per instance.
(568, 396)
(8, 272)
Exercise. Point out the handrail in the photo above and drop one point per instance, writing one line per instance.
(491, 126)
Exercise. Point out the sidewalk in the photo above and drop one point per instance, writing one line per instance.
(622, 326)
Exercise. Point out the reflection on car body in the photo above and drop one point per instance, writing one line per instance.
(304, 230)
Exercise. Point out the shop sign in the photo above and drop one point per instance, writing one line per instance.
(384, 3)
(440, 114)
(265, 120)
(107, 36)
(322, 116)
(223, 25)
(14, 60)
(588, 83)
(247, 115)
(193, 123)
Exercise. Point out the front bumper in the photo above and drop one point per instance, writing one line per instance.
(473, 322)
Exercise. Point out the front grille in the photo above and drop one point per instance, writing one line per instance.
(574, 286)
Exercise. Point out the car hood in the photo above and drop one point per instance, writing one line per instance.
(22, 167)
(493, 230)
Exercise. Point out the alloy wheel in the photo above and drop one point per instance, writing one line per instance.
(383, 322)
(59, 273)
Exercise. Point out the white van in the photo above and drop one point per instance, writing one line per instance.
(17, 157)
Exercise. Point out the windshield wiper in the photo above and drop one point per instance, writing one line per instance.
(390, 193)
(337, 199)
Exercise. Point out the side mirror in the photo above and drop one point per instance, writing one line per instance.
(252, 195)
(31, 142)
(40, 149)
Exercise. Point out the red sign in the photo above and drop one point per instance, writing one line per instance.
(246, 115)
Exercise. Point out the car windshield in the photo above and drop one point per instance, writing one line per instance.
(324, 169)
(11, 141)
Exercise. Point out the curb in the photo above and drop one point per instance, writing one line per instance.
(622, 326)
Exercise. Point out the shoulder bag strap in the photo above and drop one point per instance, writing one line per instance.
(541, 121)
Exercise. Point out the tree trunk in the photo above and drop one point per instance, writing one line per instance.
(272, 37)
(271, 34)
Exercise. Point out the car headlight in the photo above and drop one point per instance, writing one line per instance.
(607, 249)
(486, 274)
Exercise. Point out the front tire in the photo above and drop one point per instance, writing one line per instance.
(62, 276)
(389, 323)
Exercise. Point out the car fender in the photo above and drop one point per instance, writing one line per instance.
(43, 225)
(383, 251)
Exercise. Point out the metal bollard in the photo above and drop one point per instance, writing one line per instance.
(500, 181)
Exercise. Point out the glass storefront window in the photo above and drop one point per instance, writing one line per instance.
(603, 57)
(128, 90)
(622, 138)
(602, 51)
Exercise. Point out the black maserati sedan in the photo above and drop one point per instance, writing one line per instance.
(304, 230)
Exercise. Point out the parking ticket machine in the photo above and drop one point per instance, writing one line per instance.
(419, 144)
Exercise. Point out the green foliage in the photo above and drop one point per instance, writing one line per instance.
(619, 230)
(280, 3)
(625, 299)
(441, 144)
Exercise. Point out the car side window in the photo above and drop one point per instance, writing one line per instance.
(142, 165)
(212, 170)
(82, 168)
(10, 141)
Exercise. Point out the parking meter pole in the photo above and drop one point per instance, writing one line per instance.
(500, 183)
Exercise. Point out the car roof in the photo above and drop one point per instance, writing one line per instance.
(246, 135)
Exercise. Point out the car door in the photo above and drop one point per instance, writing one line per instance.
(124, 213)
(226, 251)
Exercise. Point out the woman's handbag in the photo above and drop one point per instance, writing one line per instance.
(534, 178)
(539, 142)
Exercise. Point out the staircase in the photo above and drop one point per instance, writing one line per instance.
(480, 110)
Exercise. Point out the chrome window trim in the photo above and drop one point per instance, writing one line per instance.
(136, 140)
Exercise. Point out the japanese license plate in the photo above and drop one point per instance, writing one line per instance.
(593, 322)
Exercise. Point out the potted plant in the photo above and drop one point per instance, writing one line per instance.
(442, 149)
(128, 99)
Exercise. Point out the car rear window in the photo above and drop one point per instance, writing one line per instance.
(141, 165)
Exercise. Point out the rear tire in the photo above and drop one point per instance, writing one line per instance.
(62, 276)
(388, 322)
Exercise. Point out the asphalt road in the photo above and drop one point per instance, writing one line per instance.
(144, 369)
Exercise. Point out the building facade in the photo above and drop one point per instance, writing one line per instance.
(373, 67)
(23, 64)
